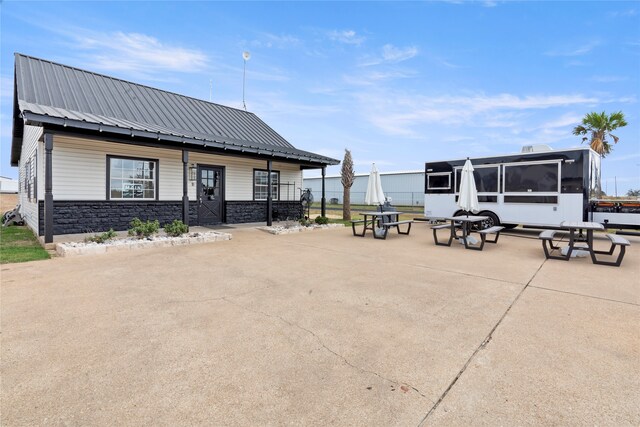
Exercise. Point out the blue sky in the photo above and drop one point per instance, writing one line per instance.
(397, 83)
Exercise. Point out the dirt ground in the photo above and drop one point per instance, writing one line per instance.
(322, 328)
(7, 202)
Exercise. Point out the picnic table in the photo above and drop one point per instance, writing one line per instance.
(584, 244)
(465, 222)
(383, 220)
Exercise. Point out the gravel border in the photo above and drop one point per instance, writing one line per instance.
(66, 249)
(284, 229)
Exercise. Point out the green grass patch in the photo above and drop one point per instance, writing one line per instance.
(18, 244)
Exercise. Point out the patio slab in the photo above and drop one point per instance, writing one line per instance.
(311, 328)
(556, 359)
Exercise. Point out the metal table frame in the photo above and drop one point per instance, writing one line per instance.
(466, 221)
(578, 226)
(374, 215)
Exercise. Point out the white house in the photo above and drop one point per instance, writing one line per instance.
(94, 152)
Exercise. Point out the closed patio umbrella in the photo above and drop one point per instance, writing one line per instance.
(375, 195)
(468, 196)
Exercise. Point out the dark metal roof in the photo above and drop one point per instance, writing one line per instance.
(56, 94)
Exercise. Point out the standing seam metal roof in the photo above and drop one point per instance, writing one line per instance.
(52, 92)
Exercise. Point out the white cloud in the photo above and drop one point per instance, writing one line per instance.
(617, 158)
(566, 120)
(393, 54)
(346, 36)
(6, 88)
(134, 52)
(623, 13)
(608, 79)
(408, 114)
(283, 41)
(490, 3)
(575, 50)
(375, 77)
(390, 54)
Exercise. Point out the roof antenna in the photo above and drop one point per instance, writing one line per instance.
(245, 56)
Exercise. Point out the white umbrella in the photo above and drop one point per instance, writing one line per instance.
(375, 195)
(468, 197)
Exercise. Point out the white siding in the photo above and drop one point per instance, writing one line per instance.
(239, 176)
(80, 168)
(29, 209)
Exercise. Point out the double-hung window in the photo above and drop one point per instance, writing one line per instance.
(261, 184)
(132, 178)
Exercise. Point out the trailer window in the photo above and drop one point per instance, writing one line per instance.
(531, 178)
(486, 179)
(439, 181)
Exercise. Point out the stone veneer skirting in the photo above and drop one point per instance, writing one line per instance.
(252, 211)
(79, 216)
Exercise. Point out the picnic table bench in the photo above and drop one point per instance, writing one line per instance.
(574, 243)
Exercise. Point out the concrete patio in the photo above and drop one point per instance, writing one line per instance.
(322, 328)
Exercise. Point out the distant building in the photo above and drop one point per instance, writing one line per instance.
(8, 185)
(405, 188)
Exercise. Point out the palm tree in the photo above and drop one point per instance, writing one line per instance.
(599, 126)
(348, 176)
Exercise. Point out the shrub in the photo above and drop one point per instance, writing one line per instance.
(176, 228)
(305, 222)
(143, 229)
(322, 220)
(102, 238)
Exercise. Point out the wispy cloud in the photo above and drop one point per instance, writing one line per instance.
(134, 52)
(406, 114)
(6, 88)
(390, 54)
(616, 158)
(566, 120)
(623, 13)
(281, 41)
(393, 54)
(575, 50)
(346, 36)
(608, 79)
(376, 77)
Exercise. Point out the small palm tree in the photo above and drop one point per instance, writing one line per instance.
(599, 126)
(348, 176)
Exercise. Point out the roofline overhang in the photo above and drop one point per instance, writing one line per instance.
(68, 125)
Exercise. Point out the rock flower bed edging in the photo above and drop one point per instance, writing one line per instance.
(128, 244)
(285, 229)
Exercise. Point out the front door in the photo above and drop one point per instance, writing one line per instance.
(210, 195)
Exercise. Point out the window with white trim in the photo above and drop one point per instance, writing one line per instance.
(439, 181)
(132, 179)
(30, 179)
(261, 185)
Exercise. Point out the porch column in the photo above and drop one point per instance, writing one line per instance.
(48, 188)
(269, 198)
(185, 187)
(323, 201)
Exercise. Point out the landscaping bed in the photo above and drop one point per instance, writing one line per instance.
(296, 228)
(132, 243)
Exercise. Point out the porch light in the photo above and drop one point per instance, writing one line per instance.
(192, 172)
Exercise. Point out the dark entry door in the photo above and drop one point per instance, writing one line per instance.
(210, 195)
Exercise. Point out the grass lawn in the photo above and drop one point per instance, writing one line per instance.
(18, 244)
